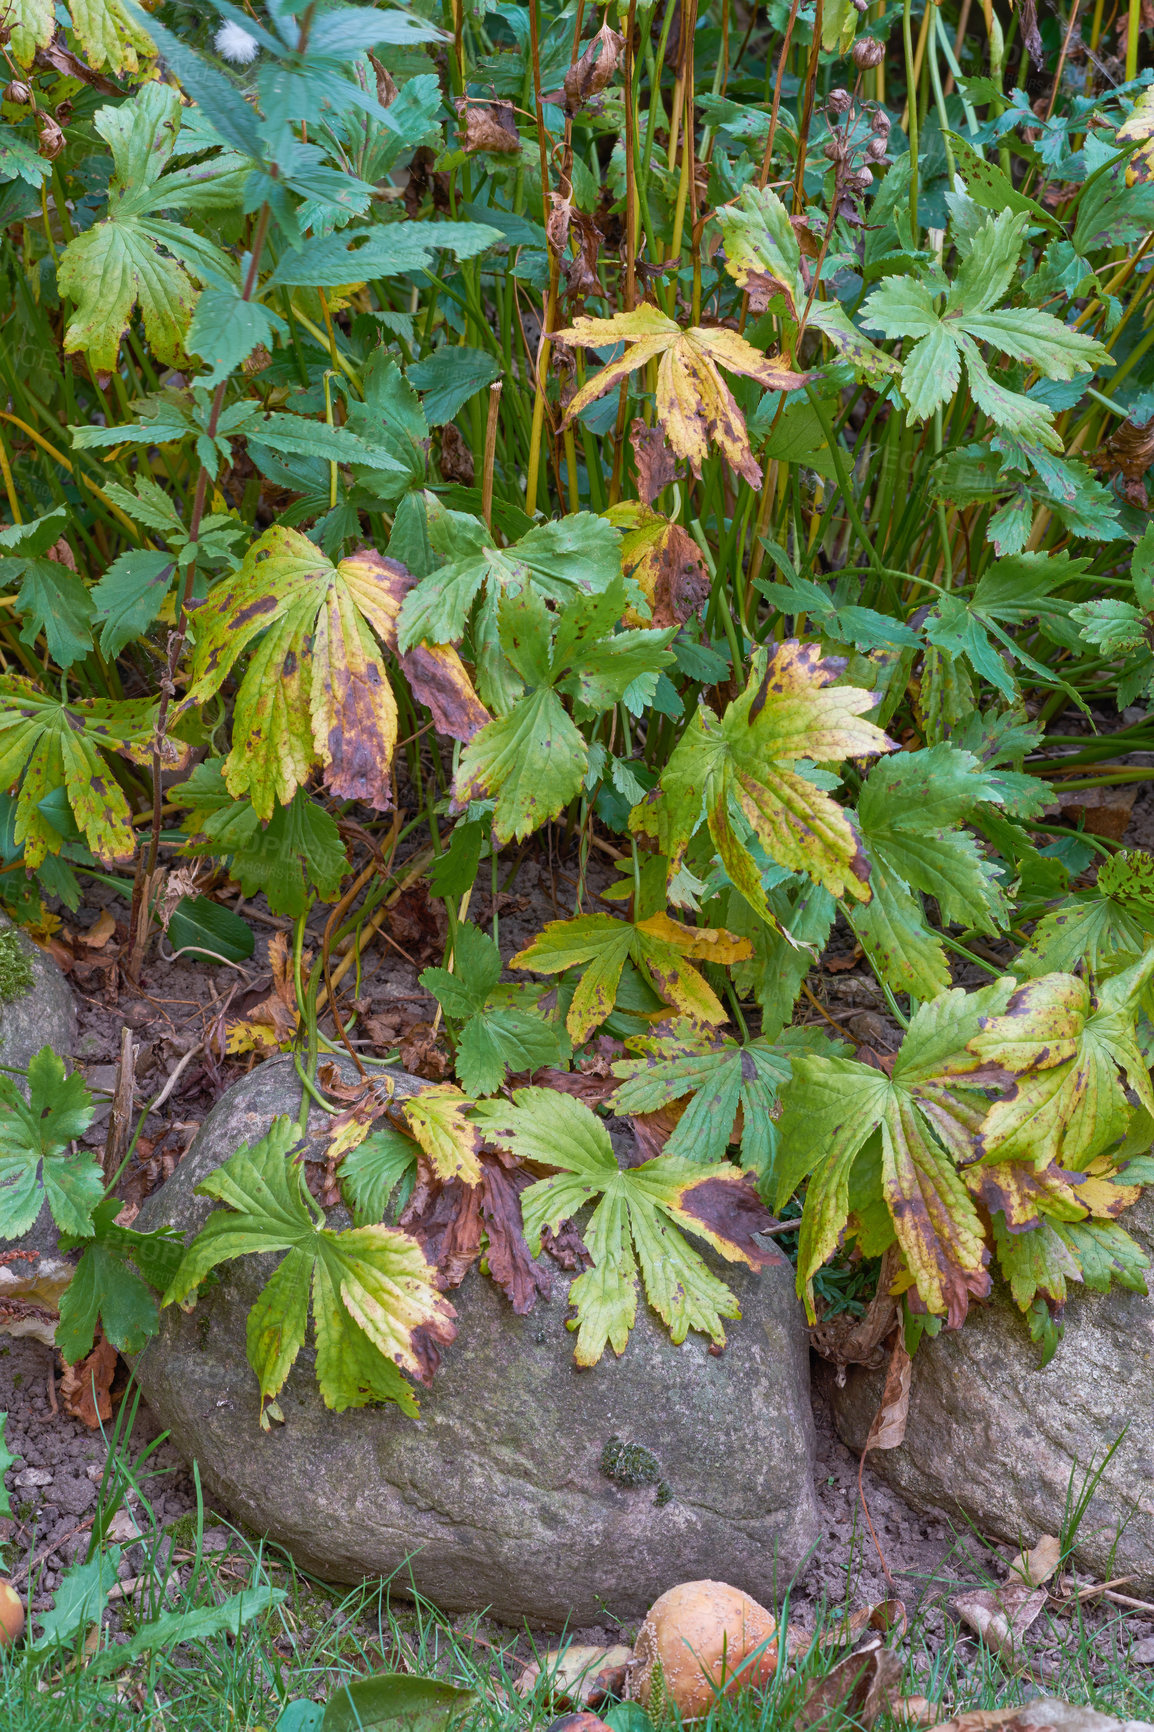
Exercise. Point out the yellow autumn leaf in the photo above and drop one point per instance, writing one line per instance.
(1138, 128)
(436, 1117)
(695, 406)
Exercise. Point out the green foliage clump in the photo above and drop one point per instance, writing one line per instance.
(738, 469)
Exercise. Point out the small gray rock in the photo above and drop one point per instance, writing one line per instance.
(43, 1016)
(496, 1497)
(994, 1438)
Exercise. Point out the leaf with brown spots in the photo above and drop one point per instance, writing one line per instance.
(790, 711)
(664, 561)
(660, 947)
(656, 465)
(376, 1311)
(1071, 1060)
(437, 1119)
(636, 1223)
(316, 688)
(51, 745)
(722, 1080)
(695, 406)
(929, 1115)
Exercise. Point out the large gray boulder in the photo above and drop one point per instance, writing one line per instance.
(525, 1486)
(994, 1438)
(42, 1014)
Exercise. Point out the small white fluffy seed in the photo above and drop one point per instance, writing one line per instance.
(236, 44)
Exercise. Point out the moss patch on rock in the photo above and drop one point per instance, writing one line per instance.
(16, 976)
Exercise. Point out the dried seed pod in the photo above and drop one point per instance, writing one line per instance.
(880, 122)
(834, 150)
(51, 136)
(17, 91)
(876, 149)
(861, 7)
(868, 52)
(860, 181)
(838, 102)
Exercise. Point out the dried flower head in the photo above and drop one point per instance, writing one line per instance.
(868, 52)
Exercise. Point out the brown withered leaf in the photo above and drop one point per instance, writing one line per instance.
(1038, 1564)
(857, 1689)
(883, 1616)
(656, 465)
(1031, 35)
(567, 1247)
(456, 458)
(271, 1024)
(445, 1220)
(580, 1674)
(422, 1054)
(589, 75)
(450, 1220)
(653, 1130)
(488, 126)
(557, 222)
(847, 1340)
(102, 929)
(418, 924)
(510, 1265)
(435, 672)
(61, 59)
(889, 1425)
(580, 272)
(1002, 1616)
(386, 88)
(85, 1389)
(1129, 452)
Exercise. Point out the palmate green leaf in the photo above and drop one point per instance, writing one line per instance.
(316, 689)
(34, 1136)
(130, 595)
(929, 1114)
(106, 1289)
(496, 1037)
(133, 255)
(578, 553)
(763, 255)
(449, 377)
(1100, 927)
(300, 846)
(356, 255)
(225, 330)
(1068, 1055)
(722, 1077)
(533, 760)
(790, 710)
(374, 1303)
(938, 343)
(910, 812)
(661, 948)
(53, 744)
(637, 1221)
(774, 973)
(370, 1173)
